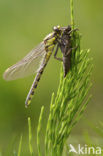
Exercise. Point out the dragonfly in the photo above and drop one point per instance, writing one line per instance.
(36, 60)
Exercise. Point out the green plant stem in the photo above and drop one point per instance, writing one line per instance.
(39, 130)
(30, 136)
(19, 150)
(72, 13)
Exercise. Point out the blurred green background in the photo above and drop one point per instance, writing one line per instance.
(23, 24)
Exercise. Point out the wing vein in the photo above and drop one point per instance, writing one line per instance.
(28, 65)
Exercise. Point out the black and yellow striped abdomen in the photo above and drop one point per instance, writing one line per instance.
(33, 87)
(37, 78)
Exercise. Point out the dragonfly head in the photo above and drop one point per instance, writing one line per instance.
(56, 29)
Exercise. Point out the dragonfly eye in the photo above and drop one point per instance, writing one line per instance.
(56, 28)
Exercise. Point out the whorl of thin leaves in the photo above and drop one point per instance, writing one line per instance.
(69, 104)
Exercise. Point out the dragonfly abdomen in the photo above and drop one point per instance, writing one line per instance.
(37, 78)
(33, 87)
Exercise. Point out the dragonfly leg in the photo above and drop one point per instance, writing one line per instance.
(74, 48)
(71, 50)
(76, 29)
(60, 59)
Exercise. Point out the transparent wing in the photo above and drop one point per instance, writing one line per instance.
(28, 65)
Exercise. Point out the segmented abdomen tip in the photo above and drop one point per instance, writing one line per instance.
(27, 103)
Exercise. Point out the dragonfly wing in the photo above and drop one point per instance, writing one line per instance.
(28, 65)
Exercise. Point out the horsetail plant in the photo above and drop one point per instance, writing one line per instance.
(69, 104)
